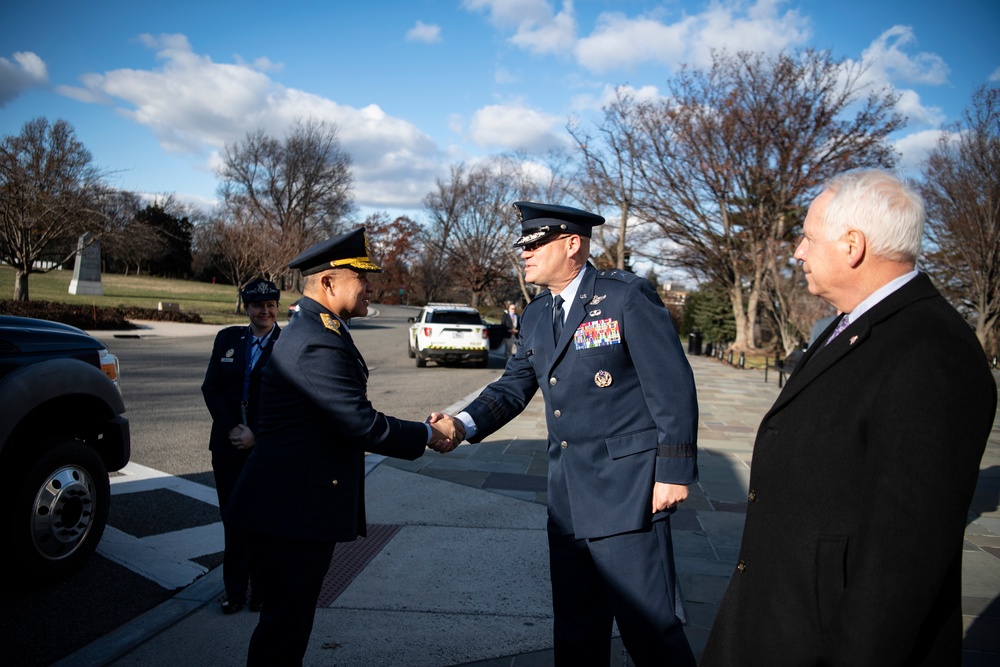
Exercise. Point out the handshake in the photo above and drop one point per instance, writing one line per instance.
(447, 432)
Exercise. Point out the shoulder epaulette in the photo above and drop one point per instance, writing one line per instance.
(331, 323)
(618, 274)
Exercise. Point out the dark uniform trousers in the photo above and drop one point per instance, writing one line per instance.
(625, 577)
(296, 568)
(238, 566)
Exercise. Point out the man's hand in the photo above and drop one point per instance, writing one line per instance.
(666, 495)
(241, 437)
(448, 432)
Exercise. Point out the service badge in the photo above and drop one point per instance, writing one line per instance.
(603, 379)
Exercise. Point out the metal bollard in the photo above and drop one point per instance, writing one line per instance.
(743, 361)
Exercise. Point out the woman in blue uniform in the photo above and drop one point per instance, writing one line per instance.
(232, 390)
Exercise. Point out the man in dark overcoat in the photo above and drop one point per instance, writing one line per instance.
(302, 489)
(864, 468)
(232, 395)
(622, 419)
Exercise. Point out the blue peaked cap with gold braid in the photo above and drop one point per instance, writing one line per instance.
(539, 221)
(349, 251)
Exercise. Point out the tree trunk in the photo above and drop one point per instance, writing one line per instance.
(20, 285)
(621, 238)
(740, 315)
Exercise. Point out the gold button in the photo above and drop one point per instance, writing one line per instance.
(742, 566)
(752, 496)
(552, 381)
(335, 482)
(564, 444)
(557, 413)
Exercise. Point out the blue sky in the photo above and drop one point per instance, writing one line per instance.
(154, 92)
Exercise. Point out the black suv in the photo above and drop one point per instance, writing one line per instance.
(62, 431)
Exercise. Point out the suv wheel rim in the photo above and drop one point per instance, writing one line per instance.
(62, 513)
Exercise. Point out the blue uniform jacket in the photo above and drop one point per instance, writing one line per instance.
(223, 386)
(620, 403)
(304, 479)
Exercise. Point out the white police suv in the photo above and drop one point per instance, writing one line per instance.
(449, 332)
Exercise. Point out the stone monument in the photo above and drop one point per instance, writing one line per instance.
(87, 269)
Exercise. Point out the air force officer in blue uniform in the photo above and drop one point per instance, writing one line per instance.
(302, 489)
(622, 420)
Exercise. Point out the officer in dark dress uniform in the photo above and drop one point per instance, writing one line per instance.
(302, 490)
(622, 419)
(232, 389)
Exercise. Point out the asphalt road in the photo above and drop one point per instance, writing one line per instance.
(161, 380)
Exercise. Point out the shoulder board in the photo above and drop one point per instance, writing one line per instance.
(330, 322)
(618, 274)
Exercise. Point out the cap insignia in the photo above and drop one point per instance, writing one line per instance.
(330, 322)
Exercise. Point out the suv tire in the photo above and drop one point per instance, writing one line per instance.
(60, 510)
(409, 348)
(421, 362)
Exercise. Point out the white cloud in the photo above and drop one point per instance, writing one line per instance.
(194, 105)
(608, 95)
(619, 42)
(538, 29)
(27, 71)
(916, 112)
(914, 149)
(423, 32)
(513, 13)
(622, 42)
(888, 60)
(996, 75)
(516, 127)
(885, 64)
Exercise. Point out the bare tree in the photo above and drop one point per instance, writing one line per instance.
(961, 187)
(609, 172)
(239, 244)
(297, 189)
(50, 193)
(733, 154)
(472, 222)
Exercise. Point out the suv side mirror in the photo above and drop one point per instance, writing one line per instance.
(411, 320)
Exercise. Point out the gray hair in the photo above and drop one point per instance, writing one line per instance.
(886, 210)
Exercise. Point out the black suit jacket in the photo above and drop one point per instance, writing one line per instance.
(223, 386)
(862, 476)
(304, 479)
(507, 322)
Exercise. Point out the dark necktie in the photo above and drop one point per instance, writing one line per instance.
(557, 317)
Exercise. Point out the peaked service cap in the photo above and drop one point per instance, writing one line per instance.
(348, 251)
(260, 290)
(539, 221)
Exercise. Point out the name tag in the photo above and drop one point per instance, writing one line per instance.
(226, 360)
(597, 333)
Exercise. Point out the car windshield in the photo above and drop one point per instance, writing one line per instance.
(453, 317)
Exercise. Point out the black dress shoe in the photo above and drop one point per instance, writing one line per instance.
(254, 604)
(232, 605)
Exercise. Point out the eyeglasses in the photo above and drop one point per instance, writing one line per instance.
(532, 247)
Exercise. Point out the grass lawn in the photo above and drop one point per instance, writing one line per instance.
(214, 303)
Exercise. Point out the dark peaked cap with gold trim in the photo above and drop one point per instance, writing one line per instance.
(539, 221)
(348, 251)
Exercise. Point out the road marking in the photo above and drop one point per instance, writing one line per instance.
(165, 559)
